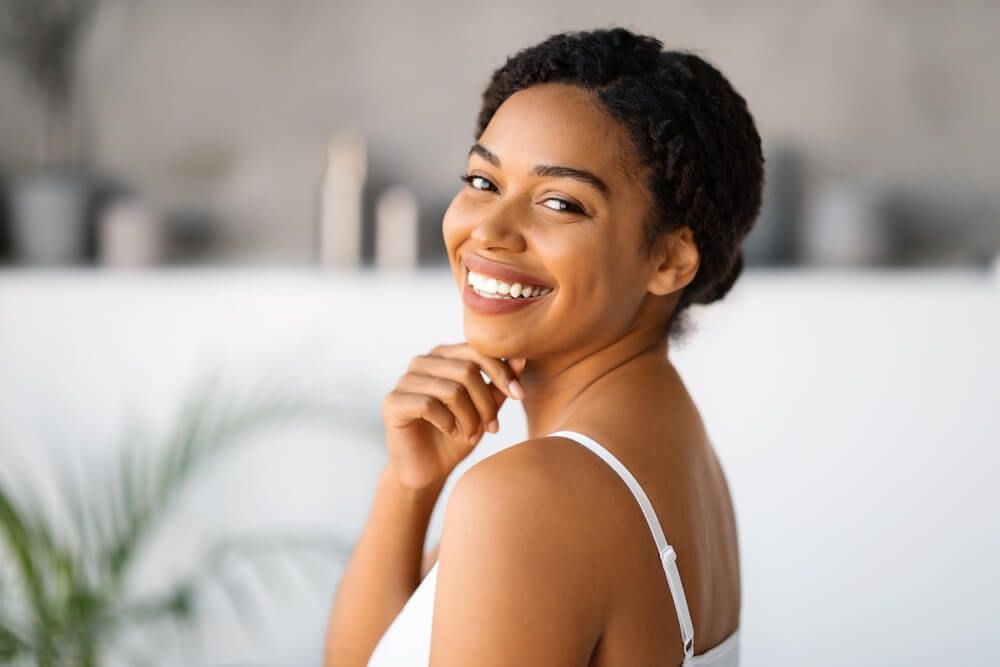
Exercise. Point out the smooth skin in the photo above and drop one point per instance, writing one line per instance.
(545, 557)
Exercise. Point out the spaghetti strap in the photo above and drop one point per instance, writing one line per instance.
(668, 557)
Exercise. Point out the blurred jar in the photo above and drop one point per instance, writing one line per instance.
(129, 235)
(843, 226)
(48, 216)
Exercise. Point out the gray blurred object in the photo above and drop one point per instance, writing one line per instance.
(396, 217)
(41, 37)
(47, 216)
(48, 200)
(942, 229)
(774, 238)
(843, 225)
(5, 250)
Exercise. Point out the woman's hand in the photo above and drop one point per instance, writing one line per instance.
(441, 407)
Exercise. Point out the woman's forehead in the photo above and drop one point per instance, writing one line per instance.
(557, 124)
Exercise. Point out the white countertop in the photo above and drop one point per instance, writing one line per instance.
(855, 413)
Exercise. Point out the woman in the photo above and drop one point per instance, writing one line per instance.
(609, 188)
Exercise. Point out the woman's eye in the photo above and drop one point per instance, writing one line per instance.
(568, 207)
(472, 179)
(483, 184)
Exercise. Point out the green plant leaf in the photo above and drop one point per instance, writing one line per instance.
(74, 600)
(16, 529)
(12, 643)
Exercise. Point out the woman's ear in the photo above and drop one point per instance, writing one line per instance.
(677, 260)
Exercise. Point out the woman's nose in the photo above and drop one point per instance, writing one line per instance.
(499, 229)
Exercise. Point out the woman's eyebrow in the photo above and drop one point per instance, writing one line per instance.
(553, 171)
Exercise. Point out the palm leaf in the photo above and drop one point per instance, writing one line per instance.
(206, 427)
(12, 642)
(73, 602)
(31, 553)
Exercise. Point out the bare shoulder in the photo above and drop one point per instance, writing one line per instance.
(516, 578)
(540, 460)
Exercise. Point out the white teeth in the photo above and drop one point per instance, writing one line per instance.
(498, 289)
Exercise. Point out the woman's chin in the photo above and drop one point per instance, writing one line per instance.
(492, 345)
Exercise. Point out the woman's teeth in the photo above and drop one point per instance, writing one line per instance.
(491, 288)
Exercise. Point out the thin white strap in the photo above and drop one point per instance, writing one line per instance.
(668, 557)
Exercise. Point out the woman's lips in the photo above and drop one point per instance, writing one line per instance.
(487, 306)
(504, 272)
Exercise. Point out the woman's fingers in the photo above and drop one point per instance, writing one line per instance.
(517, 364)
(501, 374)
(451, 380)
(499, 371)
(486, 398)
(401, 407)
(452, 393)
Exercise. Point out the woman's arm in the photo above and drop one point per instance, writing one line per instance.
(434, 416)
(519, 579)
(383, 571)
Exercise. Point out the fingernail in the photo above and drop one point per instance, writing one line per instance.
(473, 438)
(517, 390)
(493, 426)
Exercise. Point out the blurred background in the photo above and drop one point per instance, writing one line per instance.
(253, 191)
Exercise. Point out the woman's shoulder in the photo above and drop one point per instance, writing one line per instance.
(545, 474)
(516, 559)
(542, 456)
(533, 473)
(545, 500)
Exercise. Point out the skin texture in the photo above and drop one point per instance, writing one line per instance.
(545, 557)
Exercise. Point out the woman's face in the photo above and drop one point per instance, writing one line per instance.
(550, 198)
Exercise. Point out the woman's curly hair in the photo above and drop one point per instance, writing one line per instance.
(690, 128)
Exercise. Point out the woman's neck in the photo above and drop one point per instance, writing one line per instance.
(555, 387)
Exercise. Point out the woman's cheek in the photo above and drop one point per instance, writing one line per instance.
(456, 225)
(451, 230)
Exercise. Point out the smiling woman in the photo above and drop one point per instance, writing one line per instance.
(608, 189)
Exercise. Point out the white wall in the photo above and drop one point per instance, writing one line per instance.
(855, 415)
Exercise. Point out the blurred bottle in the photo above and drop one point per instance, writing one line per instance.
(340, 207)
(396, 217)
(129, 234)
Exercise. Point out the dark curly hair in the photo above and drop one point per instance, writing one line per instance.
(691, 130)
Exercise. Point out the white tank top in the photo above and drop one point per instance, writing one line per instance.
(407, 641)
